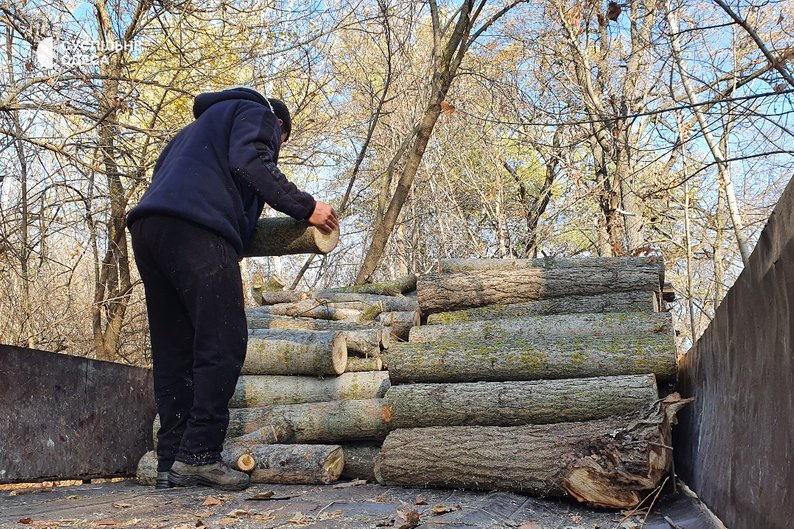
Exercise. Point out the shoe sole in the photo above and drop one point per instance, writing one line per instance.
(192, 481)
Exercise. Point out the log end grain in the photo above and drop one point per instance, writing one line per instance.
(339, 354)
(246, 463)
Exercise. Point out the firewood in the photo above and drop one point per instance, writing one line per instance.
(399, 323)
(635, 301)
(357, 364)
(462, 290)
(282, 296)
(255, 391)
(309, 308)
(394, 287)
(606, 463)
(360, 337)
(287, 236)
(360, 461)
(275, 352)
(519, 402)
(388, 303)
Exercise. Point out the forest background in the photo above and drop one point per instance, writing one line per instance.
(501, 128)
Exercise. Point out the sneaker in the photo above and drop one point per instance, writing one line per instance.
(162, 481)
(216, 475)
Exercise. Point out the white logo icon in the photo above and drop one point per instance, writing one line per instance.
(45, 53)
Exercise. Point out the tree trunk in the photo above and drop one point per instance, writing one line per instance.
(287, 236)
(532, 359)
(605, 463)
(275, 352)
(282, 296)
(395, 287)
(254, 391)
(360, 337)
(633, 324)
(360, 461)
(356, 364)
(462, 290)
(638, 264)
(636, 301)
(318, 422)
(309, 308)
(388, 303)
(519, 402)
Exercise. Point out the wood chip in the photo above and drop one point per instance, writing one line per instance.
(354, 483)
(438, 510)
(106, 522)
(236, 513)
(122, 505)
(420, 501)
(26, 520)
(211, 501)
(267, 495)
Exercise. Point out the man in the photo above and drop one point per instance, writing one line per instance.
(208, 189)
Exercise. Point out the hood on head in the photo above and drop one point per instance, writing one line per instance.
(204, 101)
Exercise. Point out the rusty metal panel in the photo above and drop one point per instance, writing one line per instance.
(67, 417)
(735, 443)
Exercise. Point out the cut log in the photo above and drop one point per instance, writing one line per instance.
(394, 287)
(287, 236)
(388, 303)
(281, 464)
(276, 352)
(532, 359)
(360, 461)
(318, 422)
(279, 431)
(519, 402)
(255, 391)
(261, 284)
(283, 296)
(360, 337)
(399, 323)
(297, 464)
(603, 263)
(356, 364)
(309, 308)
(606, 463)
(463, 290)
(635, 301)
(568, 325)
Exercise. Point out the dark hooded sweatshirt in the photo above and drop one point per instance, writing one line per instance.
(219, 171)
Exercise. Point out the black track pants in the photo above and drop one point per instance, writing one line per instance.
(194, 299)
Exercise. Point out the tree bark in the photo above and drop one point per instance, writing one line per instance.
(532, 359)
(309, 308)
(399, 323)
(318, 422)
(395, 287)
(275, 352)
(360, 337)
(519, 402)
(371, 364)
(633, 324)
(254, 391)
(387, 303)
(462, 290)
(282, 296)
(638, 264)
(360, 461)
(636, 301)
(287, 236)
(605, 463)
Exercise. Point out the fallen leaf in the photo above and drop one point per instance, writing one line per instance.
(330, 515)
(73, 497)
(26, 520)
(420, 501)
(438, 510)
(354, 483)
(200, 523)
(379, 499)
(236, 513)
(204, 514)
(299, 518)
(264, 518)
(122, 505)
(106, 523)
(211, 501)
(226, 521)
(406, 519)
(529, 525)
(262, 495)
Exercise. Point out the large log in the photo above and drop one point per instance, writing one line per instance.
(519, 402)
(360, 337)
(360, 461)
(395, 287)
(282, 296)
(287, 236)
(255, 391)
(387, 303)
(634, 301)
(605, 463)
(309, 308)
(276, 352)
(318, 422)
(462, 290)
(568, 325)
(282, 464)
(279, 431)
(532, 359)
(399, 323)
(371, 364)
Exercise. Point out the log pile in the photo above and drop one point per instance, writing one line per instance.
(535, 375)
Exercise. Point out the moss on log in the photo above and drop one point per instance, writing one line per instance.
(276, 352)
(371, 364)
(287, 236)
(634, 301)
(462, 290)
(254, 391)
(519, 402)
(318, 422)
(605, 463)
(532, 358)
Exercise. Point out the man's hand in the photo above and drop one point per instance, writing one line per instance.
(324, 218)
